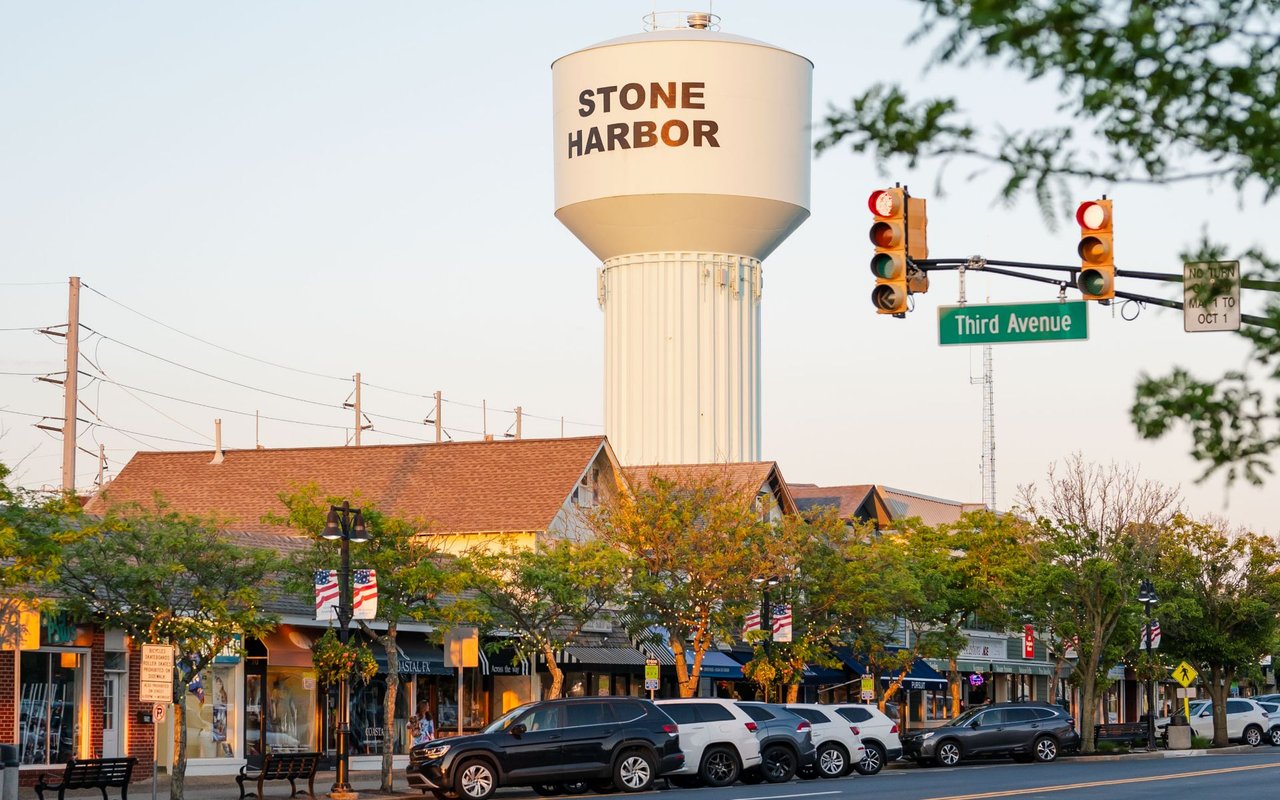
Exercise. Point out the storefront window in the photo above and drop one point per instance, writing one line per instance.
(575, 684)
(211, 714)
(368, 716)
(49, 699)
(292, 710)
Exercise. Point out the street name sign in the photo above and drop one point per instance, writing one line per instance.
(1184, 674)
(1223, 312)
(1013, 322)
(156, 685)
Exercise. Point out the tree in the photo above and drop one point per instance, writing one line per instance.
(167, 578)
(543, 595)
(411, 568)
(693, 548)
(32, 531)
(1100, 527)
(1153, 93)
(1219, 593)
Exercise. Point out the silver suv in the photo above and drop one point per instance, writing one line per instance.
(786, 743)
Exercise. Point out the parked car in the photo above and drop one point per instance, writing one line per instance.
(612, 742)
(1027, 731)
(879, 736)
(718, 740)
(836, 741)
(786, 743)
(1273, 716)
(1247, 722)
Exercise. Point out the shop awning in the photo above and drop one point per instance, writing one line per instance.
(288, 646)
(716, 664)
(504, 661)
(814, 674)
(851, 661)
(417, 656)
(604, 656)
(921, 676)
(1008, 667)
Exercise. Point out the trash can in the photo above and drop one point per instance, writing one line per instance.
(9, 761)
(1178, 734)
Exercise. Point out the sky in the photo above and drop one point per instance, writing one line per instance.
(264, 199)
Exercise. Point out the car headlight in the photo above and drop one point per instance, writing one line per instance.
(924, 736)
(437, 751)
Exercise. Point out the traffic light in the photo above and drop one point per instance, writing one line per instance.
(899, 235)
(1097, 279)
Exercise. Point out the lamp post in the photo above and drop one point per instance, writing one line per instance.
(766, 619)
(345, 524)
(1147, 596)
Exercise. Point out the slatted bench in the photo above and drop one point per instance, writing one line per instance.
(289, 767)
(1128, 732)
(90, 773)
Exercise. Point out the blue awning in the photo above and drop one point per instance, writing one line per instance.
(851, 661)
(717, 665)
(921, 676)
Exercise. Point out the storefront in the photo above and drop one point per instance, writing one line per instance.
(53, 694)
(282, 695)
(419, 664)
(600, 671)
(213, 714)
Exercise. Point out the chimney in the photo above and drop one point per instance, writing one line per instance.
(217, 442)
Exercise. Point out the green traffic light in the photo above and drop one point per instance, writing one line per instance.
(1094, 282)
(885, 267)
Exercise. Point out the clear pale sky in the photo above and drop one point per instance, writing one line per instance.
(337, 188)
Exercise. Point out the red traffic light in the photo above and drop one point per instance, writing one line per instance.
(884, 203)
(1093, 215)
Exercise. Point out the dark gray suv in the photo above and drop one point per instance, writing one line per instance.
(1027, 731)
(786, 743)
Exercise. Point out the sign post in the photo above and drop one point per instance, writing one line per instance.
(868, 687)
(1184, 674)
(1222, 313)
(651, 676)
(1013, 322)
(156, 686)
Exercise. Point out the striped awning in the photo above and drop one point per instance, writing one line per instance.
(607, 656)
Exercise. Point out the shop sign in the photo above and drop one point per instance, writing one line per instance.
(983, 647)
(976, 679)
(56, 628)
(231, 653)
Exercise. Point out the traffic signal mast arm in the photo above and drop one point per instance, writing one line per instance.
(986, 265)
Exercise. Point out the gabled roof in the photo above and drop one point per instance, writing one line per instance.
(504, 486)
(861, 501)
(930, 510)
(750, 475)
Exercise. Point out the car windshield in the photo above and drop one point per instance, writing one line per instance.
(966, 716)
(501, 723)
(1198, 706)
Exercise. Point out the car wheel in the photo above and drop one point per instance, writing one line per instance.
(719, 767)
(1273, 736)
(1253, 736)
(634, 771)
(476, 780)
(948, 754)
(751, 776)
(833, 761)
(872, 760)
(1045, 749)
(778, 764)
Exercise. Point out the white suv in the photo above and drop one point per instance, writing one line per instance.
(838, 744)
(718, 740)
(879, 736)
(1247, 722)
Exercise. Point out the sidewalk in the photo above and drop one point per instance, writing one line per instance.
(224, 787)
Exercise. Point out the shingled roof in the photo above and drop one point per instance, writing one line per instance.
(458, 487)
(751, 475)
(859, 501)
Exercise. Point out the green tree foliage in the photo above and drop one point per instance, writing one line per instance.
(167, 578)
(1098, 527)
(694, 548)
(1152, 93)
(411, 568)
(542, 595)
(32, 532)
(1219, 595)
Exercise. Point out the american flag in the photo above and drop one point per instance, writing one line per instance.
(364, 594)
(1155, 636)
(782, 623)
(751, 623)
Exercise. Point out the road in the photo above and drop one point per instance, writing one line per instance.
(1221, 777)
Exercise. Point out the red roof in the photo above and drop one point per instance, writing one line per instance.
(458, 487)
(750, 475)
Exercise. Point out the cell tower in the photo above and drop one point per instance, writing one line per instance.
(988, 462)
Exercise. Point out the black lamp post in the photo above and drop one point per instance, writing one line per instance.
(766, 618)
(1147, 596)
(346, 524)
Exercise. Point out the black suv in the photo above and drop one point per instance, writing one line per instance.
(610, 742)
(1027, 731)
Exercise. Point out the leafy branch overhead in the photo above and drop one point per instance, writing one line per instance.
(1151, 93)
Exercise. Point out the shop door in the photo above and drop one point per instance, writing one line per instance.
(111, 715)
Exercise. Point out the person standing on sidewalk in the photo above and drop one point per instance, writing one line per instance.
(423, 728)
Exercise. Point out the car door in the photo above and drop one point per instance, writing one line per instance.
(533, 747)
(693, 731)
(1239, 713)
(587, 735)
(985, 733)
(1202, 721)
(1021, 727)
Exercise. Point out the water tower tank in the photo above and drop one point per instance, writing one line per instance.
(681, 161)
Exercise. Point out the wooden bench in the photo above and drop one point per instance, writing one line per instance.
(90, 773)
(281, 767)
(1129, 732)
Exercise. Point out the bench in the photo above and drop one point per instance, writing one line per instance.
(281, 767)
(90, 773)
(1129, 732)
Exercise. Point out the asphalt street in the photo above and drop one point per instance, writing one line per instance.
(1228, 776)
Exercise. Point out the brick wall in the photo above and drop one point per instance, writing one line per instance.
(97, 689)
(140, 742)
(8, 695)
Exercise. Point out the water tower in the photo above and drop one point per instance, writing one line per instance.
(681, 161)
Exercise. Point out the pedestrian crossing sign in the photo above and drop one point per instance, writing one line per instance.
(1185, 674)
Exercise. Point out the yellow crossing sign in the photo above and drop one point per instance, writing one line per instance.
(1185, 674)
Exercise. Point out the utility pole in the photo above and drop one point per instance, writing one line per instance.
(359, 421)
(102, 463)
(519, 419)
(436, 419)
(70, 388)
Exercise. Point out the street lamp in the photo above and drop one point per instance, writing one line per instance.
(1147, 596)
(345, 524)
(766, 618)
